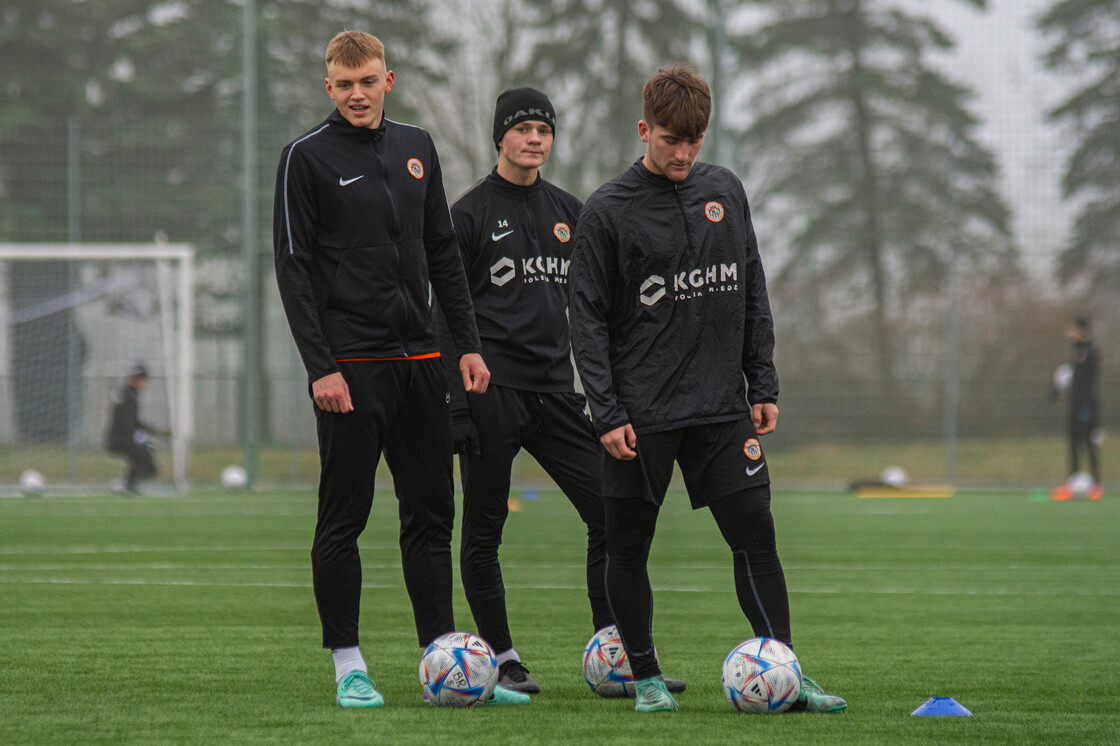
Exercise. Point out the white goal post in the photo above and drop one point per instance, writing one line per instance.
(73, 318)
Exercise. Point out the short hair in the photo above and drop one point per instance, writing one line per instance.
(677, 99)
(1082, 322)
(353, 48)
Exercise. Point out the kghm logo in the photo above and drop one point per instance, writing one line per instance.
(416, 168)
(652, 290)
(696, 283)
(713, 211)
(502, 271)
(562, 232)
(714, 275)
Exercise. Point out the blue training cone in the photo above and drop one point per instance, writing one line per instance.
(940, 706)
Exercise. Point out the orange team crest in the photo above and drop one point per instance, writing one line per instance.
(752, 449)
(562, 232)
(416, 168)
(714, 211)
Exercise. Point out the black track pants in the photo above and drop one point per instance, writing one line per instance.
(555, 431)
(747, 525)
(401, 410)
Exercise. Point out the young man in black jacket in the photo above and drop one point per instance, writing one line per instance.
(515, 232)
(669, 312)
(361, 226)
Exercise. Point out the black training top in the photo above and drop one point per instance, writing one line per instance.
(668, 305)
(360, 227)
(517, 248)
(1084, 387)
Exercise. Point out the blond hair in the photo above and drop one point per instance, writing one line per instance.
(353, 48)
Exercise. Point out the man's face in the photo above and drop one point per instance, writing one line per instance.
(359, 92)
(526, 145)
(666, 153)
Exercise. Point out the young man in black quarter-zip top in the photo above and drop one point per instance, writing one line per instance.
(361, 226)
(670, 318)
(515, 235)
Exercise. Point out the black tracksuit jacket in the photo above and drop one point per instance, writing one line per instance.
(360, 227)
(668, 302)
(516, 243)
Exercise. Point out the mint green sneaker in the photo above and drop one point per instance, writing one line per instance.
(814, 699)
(652, 696)
(356, 690)
(503, 696)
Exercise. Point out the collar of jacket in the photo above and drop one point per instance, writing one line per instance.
(660, 180)
(339, 122)
(514, 190)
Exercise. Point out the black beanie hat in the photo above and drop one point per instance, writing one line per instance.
(521, 105)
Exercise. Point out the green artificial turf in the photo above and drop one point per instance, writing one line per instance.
(191, 620)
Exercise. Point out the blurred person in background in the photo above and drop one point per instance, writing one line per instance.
(128, 436)
(1080, 379)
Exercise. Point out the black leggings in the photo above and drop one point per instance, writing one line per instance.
(747, 526)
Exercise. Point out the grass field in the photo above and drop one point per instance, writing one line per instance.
(191, 620)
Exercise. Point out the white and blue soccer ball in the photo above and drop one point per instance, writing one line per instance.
(458, 670)
(761, 676)
(31, 483)
(606, 667)
(1063, 377)
(234, 477)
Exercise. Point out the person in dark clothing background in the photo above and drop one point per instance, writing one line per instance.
(127, 435)
(1082, 376)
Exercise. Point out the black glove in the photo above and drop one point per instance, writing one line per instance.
(464, 435)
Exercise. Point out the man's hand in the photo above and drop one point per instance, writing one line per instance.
(764, 417)
(620, 442)
(476, 376)
(464, 435)
(331, 394)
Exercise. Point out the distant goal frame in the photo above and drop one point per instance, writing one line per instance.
(180, 399)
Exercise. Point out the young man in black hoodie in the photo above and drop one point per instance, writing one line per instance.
(669, 314)
(361, 226)
(515, 232)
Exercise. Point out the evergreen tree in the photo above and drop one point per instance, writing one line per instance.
(1084, 40)
(592, 58)
(868, 155)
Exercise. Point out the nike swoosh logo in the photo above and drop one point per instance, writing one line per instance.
(499, 236)
(344, 182)
(751, 472)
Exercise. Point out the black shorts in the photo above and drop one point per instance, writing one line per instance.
(716, 460)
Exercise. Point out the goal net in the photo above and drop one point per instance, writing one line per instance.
(74, 318)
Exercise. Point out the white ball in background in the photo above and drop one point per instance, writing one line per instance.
(895, 476)
(1080, 483)
(1063, 376)
(235, 477)
(31, 483)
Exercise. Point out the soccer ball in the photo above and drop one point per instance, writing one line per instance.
(761, 675)
(458, 670)
(1080, 484)
(1063, 377)
(606, 667)
(31, 483)
(234, 477)
(894, 476)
